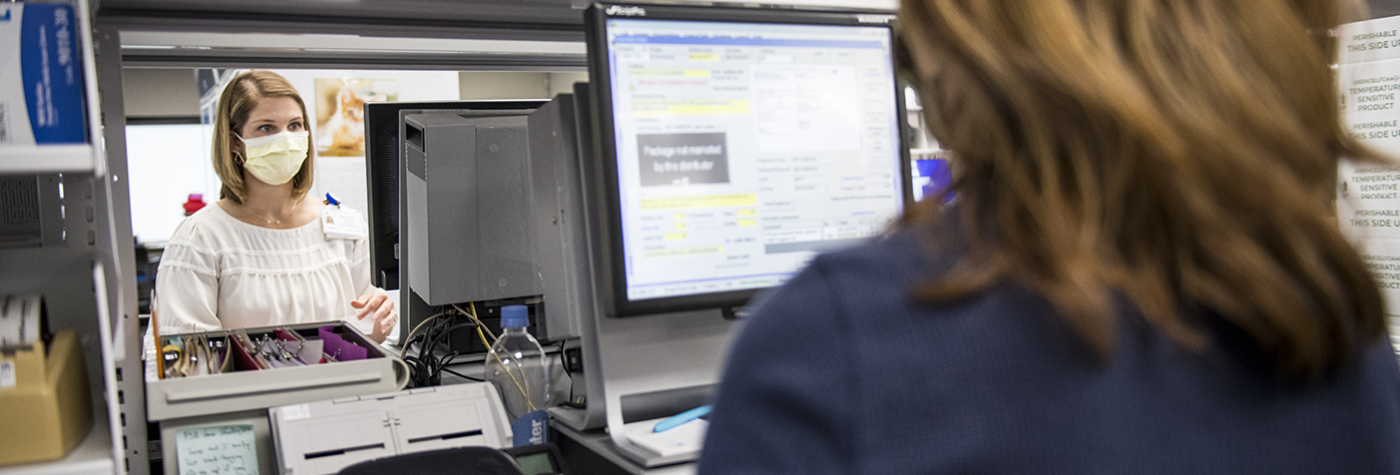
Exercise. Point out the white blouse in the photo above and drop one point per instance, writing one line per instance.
(218, 272)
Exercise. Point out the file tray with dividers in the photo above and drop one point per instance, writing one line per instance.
(258, 368)
(212, 403)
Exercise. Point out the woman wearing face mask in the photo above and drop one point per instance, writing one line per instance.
(261, 255)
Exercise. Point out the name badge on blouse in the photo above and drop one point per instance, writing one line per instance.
(343, 223)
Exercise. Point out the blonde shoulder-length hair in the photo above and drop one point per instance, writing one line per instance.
(1179, 156)
(238, 99)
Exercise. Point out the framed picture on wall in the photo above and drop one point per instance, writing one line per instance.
(340, 109)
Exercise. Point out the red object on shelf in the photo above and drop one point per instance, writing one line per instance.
(195, 203)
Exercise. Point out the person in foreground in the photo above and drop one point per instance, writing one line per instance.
(1140, 272)
(261, 255)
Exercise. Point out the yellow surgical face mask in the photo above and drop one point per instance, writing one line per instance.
(275, 158)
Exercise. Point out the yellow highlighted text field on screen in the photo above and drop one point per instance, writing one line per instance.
(688, 251)
(661, 107)
(710, 201)
(747, 222)
(671, 72)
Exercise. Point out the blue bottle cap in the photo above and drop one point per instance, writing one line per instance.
(515, 316)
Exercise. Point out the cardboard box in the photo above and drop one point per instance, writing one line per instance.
(48, 409)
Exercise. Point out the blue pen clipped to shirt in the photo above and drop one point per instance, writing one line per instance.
(682, 418)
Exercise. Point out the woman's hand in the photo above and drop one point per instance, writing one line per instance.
(377, 304)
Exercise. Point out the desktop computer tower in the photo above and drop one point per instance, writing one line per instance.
(467, 208)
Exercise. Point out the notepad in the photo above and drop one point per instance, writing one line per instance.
(227, 449)
(684, 438)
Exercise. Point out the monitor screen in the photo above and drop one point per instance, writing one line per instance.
(738, 143)
(932, 175)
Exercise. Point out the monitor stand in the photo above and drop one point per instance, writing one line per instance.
(643, 368)
(634, 368)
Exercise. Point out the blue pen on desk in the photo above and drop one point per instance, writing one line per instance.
(682, 418)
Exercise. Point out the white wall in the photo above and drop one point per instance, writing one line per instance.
(503, 85)
(165, 164)
(563, 83)
(160, 92)
(487, 85)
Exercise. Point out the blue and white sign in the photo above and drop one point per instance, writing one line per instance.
(41, 75)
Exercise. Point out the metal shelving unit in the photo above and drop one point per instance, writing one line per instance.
(78, 270)
(93, 456)
(69, 278)
(46, 159)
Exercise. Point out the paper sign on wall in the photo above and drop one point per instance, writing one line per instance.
(217, 450)
(1368, 194)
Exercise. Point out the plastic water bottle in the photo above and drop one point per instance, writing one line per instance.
(520, 371)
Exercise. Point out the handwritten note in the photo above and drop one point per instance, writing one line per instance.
(217, 450)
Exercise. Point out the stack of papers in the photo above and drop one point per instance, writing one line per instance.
(685, 438)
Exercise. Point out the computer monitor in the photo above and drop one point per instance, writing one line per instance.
(382, 162)
(933, 174)
(738, 143)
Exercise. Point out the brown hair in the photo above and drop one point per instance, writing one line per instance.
(237, 100)
(1179, 154)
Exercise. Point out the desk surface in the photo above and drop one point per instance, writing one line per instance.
(598, 443)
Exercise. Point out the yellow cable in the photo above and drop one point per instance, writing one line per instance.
(472, 316)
